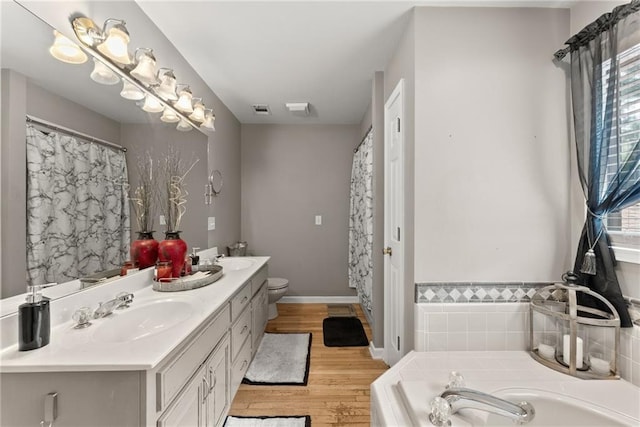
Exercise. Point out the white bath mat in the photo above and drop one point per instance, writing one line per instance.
(282, 359)
(296, 421)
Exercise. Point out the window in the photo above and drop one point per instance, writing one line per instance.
(624, 226)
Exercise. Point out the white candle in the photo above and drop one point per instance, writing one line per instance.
(566, 347)
(600, 366)
(546, 351)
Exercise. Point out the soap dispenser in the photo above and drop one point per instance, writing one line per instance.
(34, 320)
(195, 259)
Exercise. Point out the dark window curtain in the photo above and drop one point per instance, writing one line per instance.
(609, 173)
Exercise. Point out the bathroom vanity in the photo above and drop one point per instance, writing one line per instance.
(170, 359)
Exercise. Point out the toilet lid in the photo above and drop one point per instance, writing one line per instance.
(277, 283)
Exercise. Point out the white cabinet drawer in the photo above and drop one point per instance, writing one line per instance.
(177, 372)
(240, 301)
(240, 330)
(258, 279)
(187, 410)
(259, 315)
(240, 366)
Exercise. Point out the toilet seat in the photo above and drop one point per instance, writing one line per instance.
(274, 283)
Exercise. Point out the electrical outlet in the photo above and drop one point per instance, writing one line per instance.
(211, 223)
(162, 221)
(318, 219)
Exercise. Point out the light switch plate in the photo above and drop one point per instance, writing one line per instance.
(162, 221)
(318, 219)
(211, 223)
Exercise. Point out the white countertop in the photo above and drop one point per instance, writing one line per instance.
(401, 396)
(78, 350)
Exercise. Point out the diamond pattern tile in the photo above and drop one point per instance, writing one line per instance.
(463, 292)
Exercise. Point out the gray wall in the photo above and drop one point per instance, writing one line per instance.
(290, 173)
(492, 186)
(402, 66)
(191, 146)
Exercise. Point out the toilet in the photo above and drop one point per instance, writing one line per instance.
(276, 288)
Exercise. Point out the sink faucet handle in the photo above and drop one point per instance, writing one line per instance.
(456, 380)
(82, 317)
(125, 298)
(440, 412)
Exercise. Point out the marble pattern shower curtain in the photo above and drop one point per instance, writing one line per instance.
(77, 207)
(361, 222)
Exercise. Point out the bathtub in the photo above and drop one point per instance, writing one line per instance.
(401, 396)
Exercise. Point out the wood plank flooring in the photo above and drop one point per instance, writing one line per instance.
(337, 393)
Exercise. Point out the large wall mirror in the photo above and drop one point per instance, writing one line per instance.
(36, 84)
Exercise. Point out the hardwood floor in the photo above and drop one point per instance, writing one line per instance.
(337, 393)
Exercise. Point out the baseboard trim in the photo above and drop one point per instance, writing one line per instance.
(320, 299)
(376, 353)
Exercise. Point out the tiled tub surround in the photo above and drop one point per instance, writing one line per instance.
(493, 326)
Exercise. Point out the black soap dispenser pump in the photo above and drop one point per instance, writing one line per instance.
(195, 260)
(34, 320)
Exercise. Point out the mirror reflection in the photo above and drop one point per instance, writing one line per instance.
(78, 215)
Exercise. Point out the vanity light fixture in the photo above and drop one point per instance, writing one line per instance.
(131, 91)
(110, 45)
(183, 104)
(67, 51)
(116, 41)
(168, 83)
(209, 119)
(152, 105)
(102, 74)
(145, 71)
(169, 116)
(183, 126)
(198, 111)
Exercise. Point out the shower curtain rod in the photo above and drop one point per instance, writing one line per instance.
(355, 150)
(72, 132)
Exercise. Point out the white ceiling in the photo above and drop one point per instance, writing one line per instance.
(321, 52)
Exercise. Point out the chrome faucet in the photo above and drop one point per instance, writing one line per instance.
(121, 300)
(454, 399)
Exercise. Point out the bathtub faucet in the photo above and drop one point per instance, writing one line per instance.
(454, 399)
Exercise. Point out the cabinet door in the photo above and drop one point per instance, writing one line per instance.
(188, 410)
(217, 371)
(260, 314)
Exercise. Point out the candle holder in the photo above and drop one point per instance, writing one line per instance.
(571, 338)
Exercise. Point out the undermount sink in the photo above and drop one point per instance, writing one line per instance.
(142, 321)
(234, 264)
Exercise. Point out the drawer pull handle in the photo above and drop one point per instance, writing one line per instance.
(206, 389)
(244, 365)
(244, 329)
(244, 299)
(214, 380)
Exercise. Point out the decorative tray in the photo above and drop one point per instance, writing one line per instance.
(193, 281)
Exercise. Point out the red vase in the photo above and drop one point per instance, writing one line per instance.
(173, 249)
(144, 251)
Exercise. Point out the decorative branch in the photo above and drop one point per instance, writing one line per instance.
(144, 195)
(174, 196)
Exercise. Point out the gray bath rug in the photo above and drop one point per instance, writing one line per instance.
(341, 310)
(281, 359)
(280, 421)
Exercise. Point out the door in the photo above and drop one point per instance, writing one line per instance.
(394, 225)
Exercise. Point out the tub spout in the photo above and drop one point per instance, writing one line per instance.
(464, 398)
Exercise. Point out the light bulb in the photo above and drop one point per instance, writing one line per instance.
(130, 91)
(152, 105)
(145, 71)
(115, 46)
(169, 116)
(198, 112)
(209, 120)
(167, 88)
(102, 74)
(183, 126)
(67, 51)
(184, 101)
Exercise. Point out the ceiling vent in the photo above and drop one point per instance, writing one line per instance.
(261, 109)
(298, 108)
